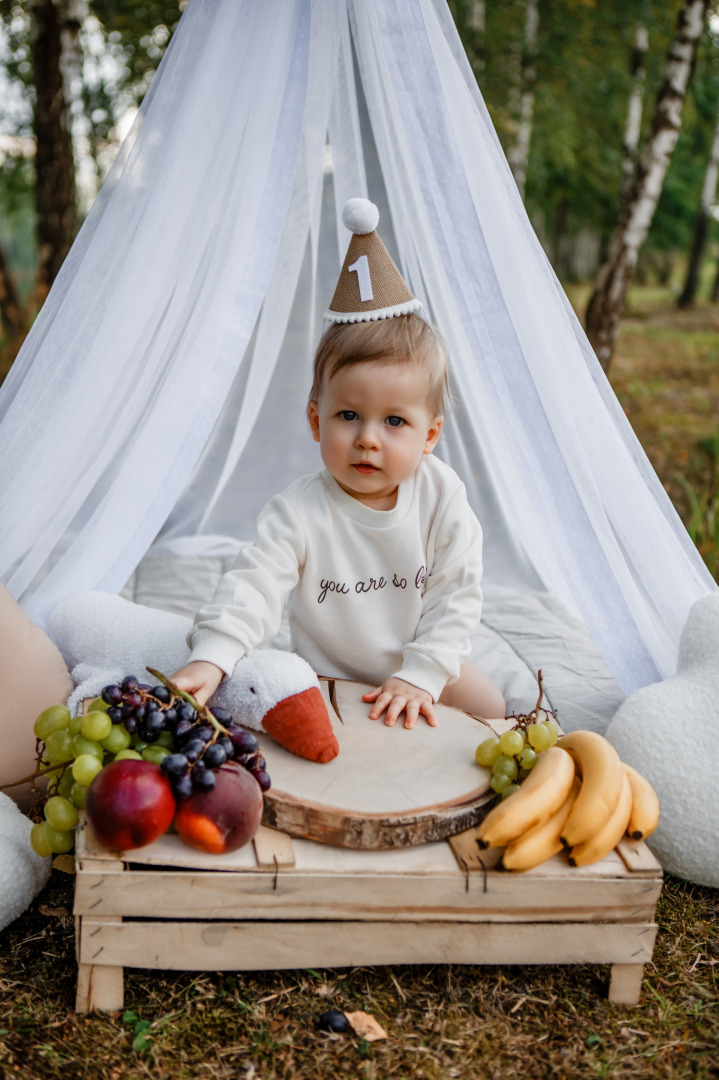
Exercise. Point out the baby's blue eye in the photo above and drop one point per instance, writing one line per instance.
(348, 414)
(394, 421)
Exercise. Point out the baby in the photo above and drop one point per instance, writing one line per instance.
(380, 547)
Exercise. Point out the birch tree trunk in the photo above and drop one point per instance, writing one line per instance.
(701, 228)
(55, 30)
(476, 24)
(606, 305)
(633, 125)
(518, 155)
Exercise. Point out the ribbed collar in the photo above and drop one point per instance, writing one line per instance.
(377, 519)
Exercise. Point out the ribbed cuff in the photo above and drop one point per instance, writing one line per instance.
(423, 673)
(217, 648)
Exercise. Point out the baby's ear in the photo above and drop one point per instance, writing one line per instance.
(433, 434)
(314, 420)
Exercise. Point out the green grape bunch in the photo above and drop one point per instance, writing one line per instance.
(71, 751)
(513, 755)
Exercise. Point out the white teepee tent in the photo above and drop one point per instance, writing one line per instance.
(162, 389)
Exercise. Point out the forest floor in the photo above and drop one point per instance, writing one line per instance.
(442, 1021)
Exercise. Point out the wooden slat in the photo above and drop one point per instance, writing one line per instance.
(637, 857)
(255, 946)
(294, 895)
(469, 858)
(273, 849)
(168, 850)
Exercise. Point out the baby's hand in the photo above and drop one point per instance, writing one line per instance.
(199, 678)
(397, 697)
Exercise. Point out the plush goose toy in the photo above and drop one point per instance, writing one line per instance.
(278, 692)
(102, 638)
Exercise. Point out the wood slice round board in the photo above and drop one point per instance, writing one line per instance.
(389, 787)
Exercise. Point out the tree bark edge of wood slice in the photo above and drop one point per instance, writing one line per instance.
(375, 833)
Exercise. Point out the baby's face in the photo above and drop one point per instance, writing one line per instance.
(373, 426)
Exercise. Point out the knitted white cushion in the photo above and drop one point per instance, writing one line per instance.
(670, 733)
(22, 873)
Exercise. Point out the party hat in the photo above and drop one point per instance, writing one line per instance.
(370, 286)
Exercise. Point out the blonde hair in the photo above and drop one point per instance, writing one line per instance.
(404, 339)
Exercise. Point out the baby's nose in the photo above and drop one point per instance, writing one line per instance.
(368, 436)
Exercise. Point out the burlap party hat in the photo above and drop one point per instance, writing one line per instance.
(370, 286)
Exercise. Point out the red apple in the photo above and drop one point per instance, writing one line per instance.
(129, 804)
(225, 818)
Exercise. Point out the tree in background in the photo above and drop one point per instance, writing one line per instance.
(607, 302)
(632, 131)
(703, 220)
(574, 170)
(12, 317)
(54, 30)
(518, 155)
(78, 65)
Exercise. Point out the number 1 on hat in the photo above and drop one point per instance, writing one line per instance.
(363, 278)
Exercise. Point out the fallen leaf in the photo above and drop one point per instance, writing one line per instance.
(66, 863)
(366, 1026)
(45, 909)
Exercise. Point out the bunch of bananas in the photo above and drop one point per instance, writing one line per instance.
(579, 796)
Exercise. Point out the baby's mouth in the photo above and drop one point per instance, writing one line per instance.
(365, 467)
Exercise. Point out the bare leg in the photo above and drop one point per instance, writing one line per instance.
(475, 693)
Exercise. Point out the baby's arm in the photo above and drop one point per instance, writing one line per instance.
(199, 678)
(397, 696)
(246, 610)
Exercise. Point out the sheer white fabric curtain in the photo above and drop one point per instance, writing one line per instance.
(565, 493)
(162, 389)
(568, 473)
(115, 392)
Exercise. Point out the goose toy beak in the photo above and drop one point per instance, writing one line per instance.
(302, 725)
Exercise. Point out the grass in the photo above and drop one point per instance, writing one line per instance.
(442, 1021)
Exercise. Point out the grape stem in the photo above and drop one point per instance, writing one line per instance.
(202, 710)
(34, 775)
(541, 694)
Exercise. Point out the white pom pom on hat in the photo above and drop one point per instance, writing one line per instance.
(360, 216)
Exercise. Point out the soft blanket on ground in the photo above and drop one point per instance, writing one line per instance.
(22, 873)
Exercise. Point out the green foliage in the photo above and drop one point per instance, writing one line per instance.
(582, 90)
(122, 43)
(138, 34)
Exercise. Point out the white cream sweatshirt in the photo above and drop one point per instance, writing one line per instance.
(374, 593)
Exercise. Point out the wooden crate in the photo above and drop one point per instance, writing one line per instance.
(282, 903)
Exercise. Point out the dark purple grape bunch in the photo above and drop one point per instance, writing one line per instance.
(247, 753)
(140, 707)
(201, 740)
